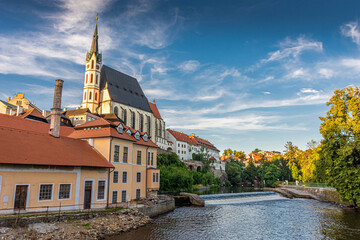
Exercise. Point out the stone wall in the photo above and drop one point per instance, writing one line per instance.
(220, 174)
(157, 209)
(323, 194)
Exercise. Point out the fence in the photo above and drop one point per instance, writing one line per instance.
(56, 212)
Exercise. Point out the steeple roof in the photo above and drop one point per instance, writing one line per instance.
(94, 44)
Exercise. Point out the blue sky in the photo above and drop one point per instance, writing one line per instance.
(242, 74)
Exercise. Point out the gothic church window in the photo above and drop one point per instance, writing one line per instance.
(124, 115)
(149, 124)
(92, 64)
(95, 96)
(84, 95)
(86, 78)
(116, 111)
(141, 122)
(133, 120)
(91, 78)
(97, 79)
(90, 95)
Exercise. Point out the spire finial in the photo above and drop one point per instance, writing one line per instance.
(97, 17)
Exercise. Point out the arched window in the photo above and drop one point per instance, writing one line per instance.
(133, 120)
(96, 96)
(141, 123)
(90, 95)
(91, 78)
(97, 79)
(84, 95)
(148, 125)
(116, 111)
(124, 116)
(86, 78)
(92, 64)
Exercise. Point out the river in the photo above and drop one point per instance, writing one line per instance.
(253, 216)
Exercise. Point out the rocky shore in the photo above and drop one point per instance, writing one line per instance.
(98, 227)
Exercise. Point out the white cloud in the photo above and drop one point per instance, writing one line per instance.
(189, 66)
(351, 30)
(326, 73)
(351, 63)
(267, 93)
(294, 48)
(308, 91)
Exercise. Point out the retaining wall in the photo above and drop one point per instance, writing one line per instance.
(158, 209)
(323, 194)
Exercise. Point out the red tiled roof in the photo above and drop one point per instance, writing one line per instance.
(32, 112)
(107, 130)
(155, 110)
(182, 137)
(26, 142)
(28, 125)
(100, 122)
(205, 143)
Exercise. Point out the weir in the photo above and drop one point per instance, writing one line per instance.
(239, 198)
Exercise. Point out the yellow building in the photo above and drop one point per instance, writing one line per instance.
(7, 108)
(48, 171)
(132, 153)
(20, 100)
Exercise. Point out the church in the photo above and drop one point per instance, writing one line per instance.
(108, 91)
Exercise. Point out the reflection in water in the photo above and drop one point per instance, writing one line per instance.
(276, 219)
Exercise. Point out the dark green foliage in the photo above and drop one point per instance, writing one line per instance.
(235, 171)
(269, 172)
(174, 176)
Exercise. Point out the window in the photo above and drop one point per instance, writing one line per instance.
(101, 190)
(138, 158)
(86, 78)
(90, 95)
(64, 191)
(116, 111)
(155, 177)
(116, 153)
(124, 177)
(138, 177)
(96, 96)
(91, 78)
(138, 193)
(123, 196)
(84, 95)
(133, 119)
(116, 177)
(141, 123)
(148, 158)
(149, 124)
(45, 192)
(114, 197)
(178, 144)
(125, 154)
(152, 158)
(97, 79)
(124, 115)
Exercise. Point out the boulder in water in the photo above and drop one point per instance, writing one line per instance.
(194, 199)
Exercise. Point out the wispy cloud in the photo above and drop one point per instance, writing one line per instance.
(189, 66)
(351, 30)
(294, 48)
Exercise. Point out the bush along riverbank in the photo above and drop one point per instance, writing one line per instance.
(175, 177)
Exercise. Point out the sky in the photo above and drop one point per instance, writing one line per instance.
(241, 74)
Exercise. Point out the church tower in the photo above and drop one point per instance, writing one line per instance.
(91, 94)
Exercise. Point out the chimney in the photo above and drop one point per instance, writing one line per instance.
(44, 113)
(19, 110)
(56, 110)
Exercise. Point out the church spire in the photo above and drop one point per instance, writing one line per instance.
(94, 45)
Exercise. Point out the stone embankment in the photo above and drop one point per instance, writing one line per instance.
(186, 199)
(94, 225)
(320, 194)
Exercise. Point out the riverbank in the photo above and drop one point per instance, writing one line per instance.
(84, 225)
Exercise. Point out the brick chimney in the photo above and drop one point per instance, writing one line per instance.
(56, 110)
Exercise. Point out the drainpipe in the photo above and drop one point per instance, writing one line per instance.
(108, 183)
(146, 163)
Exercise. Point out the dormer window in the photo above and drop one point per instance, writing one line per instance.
(145, 137)
(120, 128)
(137, 136)
(128, 132)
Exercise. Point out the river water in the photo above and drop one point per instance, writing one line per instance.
(253, 216)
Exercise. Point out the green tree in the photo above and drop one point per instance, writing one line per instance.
(269, 172)
(256, 150)
(235, 171)
(292, 154)
(228, 152)
(250, 172)
(239, 154)
(339, 157)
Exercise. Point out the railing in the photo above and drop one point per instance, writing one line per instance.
(60, 210)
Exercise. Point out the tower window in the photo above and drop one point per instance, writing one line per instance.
(86, 78)
(90, 95)
(116, 111)
(97, 79)
(92, 64)
(91, 78)
(84, 95)
(95, 96)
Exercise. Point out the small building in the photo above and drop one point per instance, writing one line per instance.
(7, 108)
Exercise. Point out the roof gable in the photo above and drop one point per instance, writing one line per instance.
(123, 88)
(155, 110)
